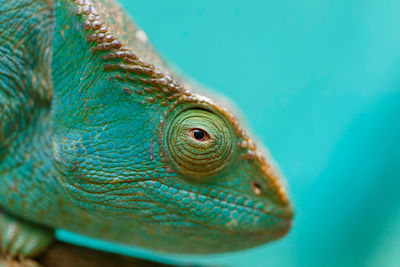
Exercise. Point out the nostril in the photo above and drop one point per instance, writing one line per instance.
(256, 188)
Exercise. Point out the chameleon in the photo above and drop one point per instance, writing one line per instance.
(99, 136)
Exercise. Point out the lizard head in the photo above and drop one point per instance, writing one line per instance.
(230, 185)
(142, 158)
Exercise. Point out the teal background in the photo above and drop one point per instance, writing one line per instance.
(318, 81)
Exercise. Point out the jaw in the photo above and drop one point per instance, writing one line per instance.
(231, 237)
(249, 238)
(225, 242)
(243, 236)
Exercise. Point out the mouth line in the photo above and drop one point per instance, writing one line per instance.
(283, 215)
(221, 203)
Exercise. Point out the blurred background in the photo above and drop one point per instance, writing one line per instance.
(318, 81)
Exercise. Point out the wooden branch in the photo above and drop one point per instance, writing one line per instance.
(66, 255)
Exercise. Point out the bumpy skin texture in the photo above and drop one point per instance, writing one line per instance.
(99, 137)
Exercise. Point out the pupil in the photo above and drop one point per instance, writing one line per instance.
(198, 134)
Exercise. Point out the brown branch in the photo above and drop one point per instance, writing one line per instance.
(66, 255)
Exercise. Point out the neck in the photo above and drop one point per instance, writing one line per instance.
(28, 170)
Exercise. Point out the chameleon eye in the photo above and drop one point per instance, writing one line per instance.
(198, 142)
(200, 134)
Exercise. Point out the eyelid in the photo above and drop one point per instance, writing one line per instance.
(206, 134)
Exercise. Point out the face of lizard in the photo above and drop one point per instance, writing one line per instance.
(229, 185)
(188, 182)
(142, 160)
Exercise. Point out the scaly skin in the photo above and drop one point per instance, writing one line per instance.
(97, 136)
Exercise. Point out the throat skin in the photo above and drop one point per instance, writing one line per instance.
(87, 152)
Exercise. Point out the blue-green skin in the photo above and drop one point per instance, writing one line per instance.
(80, 150)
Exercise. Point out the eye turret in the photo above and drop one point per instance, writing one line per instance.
(198, 142)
